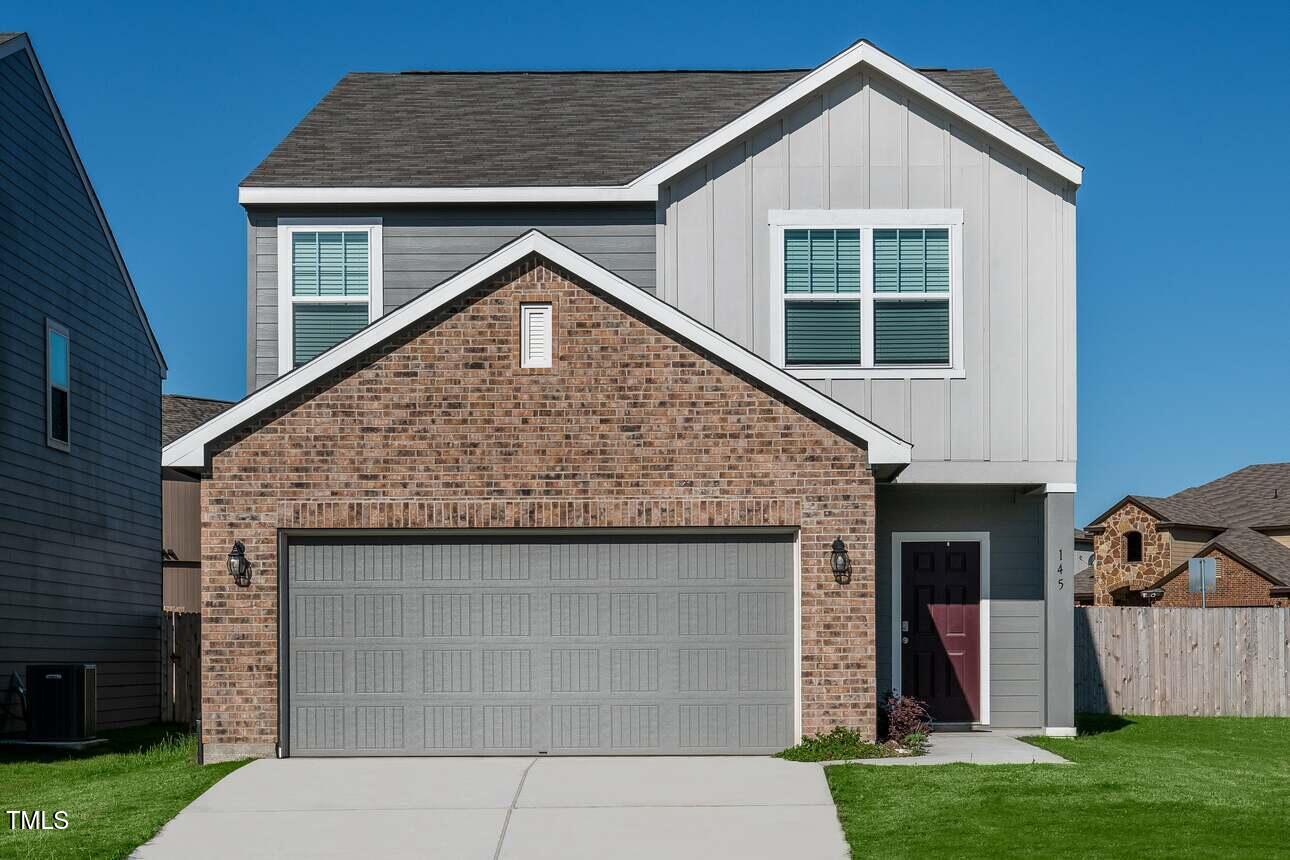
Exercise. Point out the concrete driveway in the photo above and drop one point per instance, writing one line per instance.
(513, 808)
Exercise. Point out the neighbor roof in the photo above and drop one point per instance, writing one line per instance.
(542, 129)
(181, 414)
(885, 448)
(1263, 554)
(1256, 497)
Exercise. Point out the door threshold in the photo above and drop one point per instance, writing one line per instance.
(959, 727)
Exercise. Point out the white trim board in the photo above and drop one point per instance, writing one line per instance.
(884, 447)
(286, 301)
(644, 188)
(983, 631)
(23, 43)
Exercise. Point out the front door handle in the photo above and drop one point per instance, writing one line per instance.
(904, 640)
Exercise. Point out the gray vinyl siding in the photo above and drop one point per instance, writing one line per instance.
(80, 531)
(424, 246)
(1015, 522)
(865, 143)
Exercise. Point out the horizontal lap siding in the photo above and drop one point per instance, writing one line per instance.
(80, 573)
(423, 247)
(1015, 523)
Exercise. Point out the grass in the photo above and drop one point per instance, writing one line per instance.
(1140, 787)
(116, 797)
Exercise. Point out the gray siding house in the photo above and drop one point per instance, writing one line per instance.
(80, 419)
(900, 241)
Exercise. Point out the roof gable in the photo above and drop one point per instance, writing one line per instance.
(438, 137)
(1260, 553)
(11, 43)
(884, 447)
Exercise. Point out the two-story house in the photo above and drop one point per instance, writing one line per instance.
(1143, 544)
(645, 412)
(80, 422)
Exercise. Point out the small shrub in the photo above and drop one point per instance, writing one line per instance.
(916, 742)
(836, 745)
(906, 716)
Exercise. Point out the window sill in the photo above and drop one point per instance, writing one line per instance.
(818, 371)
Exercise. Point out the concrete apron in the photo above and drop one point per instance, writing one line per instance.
(569, 808)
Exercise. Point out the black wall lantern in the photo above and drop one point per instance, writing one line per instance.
(238, 567)
(841, 563)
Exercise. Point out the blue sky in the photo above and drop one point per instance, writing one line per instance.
(1178, 111)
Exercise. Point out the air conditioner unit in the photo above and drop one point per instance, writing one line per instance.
(62, 700)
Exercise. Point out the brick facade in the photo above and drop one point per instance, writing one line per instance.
(1236, 585)
(1112, 571)
(439, 427)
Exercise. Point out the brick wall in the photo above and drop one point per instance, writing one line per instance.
(440, 427)
(1236, 585)
(1112, 570)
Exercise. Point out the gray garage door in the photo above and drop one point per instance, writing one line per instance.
(640, 644)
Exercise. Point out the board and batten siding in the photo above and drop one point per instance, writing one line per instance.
(863, 142)
(80, 531)
(424, 246)
(1015, 522)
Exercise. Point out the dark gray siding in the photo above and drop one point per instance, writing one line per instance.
(1015, 522)
(80, 531)
(425, 246)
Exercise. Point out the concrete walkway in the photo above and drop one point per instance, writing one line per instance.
(983, 747)
(513, 808)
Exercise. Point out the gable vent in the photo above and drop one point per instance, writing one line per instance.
(535, 335)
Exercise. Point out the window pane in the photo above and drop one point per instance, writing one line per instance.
(58, 371)
(317, 328)
(911, 261)
(58, 422)
(329, 264)
(911, 332)
(821, 261)
(822, 332)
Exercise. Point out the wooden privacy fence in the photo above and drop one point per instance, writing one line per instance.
(181, 662)
(1203, 662)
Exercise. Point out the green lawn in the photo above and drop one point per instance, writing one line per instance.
(116, 797)
(1140, 787)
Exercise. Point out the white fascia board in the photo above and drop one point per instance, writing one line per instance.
(868, 54)
(23, 43)
(884, 447)
(255, 195)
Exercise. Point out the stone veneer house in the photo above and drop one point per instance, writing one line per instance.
(644, 412)
(1143, 543)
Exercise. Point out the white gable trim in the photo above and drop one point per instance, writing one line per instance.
(516, 194)
(22, 43)
(868, 54)
(885, 448)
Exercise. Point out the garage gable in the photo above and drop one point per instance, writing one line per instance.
(885, 449)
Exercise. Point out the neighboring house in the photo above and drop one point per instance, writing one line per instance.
(1143, 543)
(80, 418)
(564, 385)
(1084, 558)
(181, 506)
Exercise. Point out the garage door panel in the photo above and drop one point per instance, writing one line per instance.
(565, 645)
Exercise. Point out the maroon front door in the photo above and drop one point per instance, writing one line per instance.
(940, 636)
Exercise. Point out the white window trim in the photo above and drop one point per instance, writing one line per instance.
(286, 301)
(866, 220)
(52, 327)
(983, 622)
(528, 311)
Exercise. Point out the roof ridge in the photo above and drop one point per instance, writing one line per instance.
(683, 71)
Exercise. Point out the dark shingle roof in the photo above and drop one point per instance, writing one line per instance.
(1256, 497)
(482, 129)
(1255, 549)
(1084, 584)
(180, 414)
(8, 37)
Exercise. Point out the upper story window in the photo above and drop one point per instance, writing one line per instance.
(866, 293)
(58, 386)
(1133, 547)
(329, 285)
